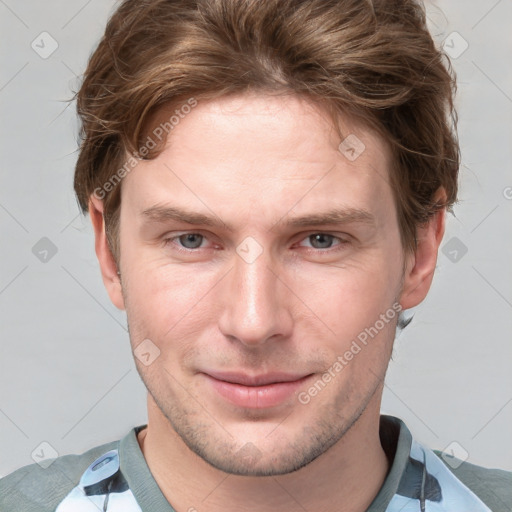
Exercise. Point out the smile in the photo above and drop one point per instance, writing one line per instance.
(255, 392)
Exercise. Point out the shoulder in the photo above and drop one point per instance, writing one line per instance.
(37, 488)
(492, 486)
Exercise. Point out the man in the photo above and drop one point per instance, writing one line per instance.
(267, 181)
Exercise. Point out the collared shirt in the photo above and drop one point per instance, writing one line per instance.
(115, 477)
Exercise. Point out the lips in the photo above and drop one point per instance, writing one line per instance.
(256, 380)
(255, 391)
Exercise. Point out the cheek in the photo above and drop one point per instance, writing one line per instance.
(347, 300)
(162, 300)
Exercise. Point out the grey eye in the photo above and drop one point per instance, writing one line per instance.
(191, 240)
(321, 240)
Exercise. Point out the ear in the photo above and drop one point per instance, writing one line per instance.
(106, 260)
(421, 264)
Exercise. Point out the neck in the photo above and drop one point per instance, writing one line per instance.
(336, 476)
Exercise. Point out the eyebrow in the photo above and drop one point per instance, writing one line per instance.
(162, 214)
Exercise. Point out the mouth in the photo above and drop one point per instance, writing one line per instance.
(255, 391)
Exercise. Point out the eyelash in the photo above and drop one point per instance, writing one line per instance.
(329, 250)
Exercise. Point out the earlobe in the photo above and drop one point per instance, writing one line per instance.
(421, 264)
(108, 265)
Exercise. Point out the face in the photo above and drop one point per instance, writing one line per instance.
(255, 254)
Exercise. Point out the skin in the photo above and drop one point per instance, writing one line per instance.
(254, 162)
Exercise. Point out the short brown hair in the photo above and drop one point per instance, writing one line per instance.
(374, 60)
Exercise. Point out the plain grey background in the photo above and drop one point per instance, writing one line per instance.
(67, 376)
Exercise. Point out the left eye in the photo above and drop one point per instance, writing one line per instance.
(323, 240)
(191, 240)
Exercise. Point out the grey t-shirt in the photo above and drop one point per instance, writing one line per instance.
(114, 477)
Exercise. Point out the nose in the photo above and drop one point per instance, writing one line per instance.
(255, 303)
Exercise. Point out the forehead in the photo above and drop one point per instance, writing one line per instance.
(273, 153)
